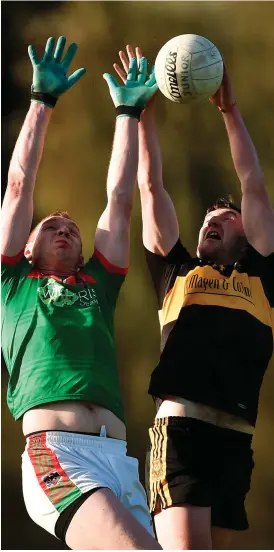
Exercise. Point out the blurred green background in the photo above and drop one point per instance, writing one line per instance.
(197, 169)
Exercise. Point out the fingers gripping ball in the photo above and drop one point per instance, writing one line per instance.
(50, 73)
(131, 98)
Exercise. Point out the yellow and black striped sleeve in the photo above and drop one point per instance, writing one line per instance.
(268, 278)
(164, 270)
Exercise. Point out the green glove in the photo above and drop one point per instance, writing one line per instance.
(131, 98)
(49, 73)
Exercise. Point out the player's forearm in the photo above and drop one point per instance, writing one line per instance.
(122, 171)
(150, 175)
(243, 152)
(29, 148)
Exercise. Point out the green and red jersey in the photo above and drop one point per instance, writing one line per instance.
(58, 336)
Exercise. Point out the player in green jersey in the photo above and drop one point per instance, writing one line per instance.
(58, 329)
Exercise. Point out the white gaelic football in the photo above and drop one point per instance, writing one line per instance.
(188, 68)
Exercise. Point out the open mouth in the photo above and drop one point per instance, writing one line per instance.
(213, 235)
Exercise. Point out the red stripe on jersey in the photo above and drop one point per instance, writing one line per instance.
(110, 267)
(87, 278)
(45, 462)
(36, 274)
(11, 261)
(71, 280)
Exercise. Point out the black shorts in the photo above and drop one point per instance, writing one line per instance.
(198, 463)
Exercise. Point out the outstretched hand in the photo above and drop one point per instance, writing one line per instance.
(125, 60)
(49, 73)
(224, 98)
(138, 88)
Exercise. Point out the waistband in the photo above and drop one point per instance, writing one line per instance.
(42, 439)
(187, 422)
(212, 415)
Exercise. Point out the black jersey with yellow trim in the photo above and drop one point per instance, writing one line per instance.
(217, 326)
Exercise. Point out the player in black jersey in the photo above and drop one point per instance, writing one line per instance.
(216, 317)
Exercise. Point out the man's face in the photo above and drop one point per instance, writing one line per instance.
(221, 237)
(56, 241)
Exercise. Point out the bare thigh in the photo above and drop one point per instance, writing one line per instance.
(184, 528)
(103, 523)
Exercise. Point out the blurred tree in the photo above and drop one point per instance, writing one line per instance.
(197, 168)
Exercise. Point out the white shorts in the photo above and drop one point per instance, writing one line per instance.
(58, 468)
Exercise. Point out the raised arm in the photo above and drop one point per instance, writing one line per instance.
(49, 82)
(257, 213)
(160, 225)
(112, 235)
(17, 210)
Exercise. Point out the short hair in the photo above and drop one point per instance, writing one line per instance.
(57, 213)
(224, 203)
